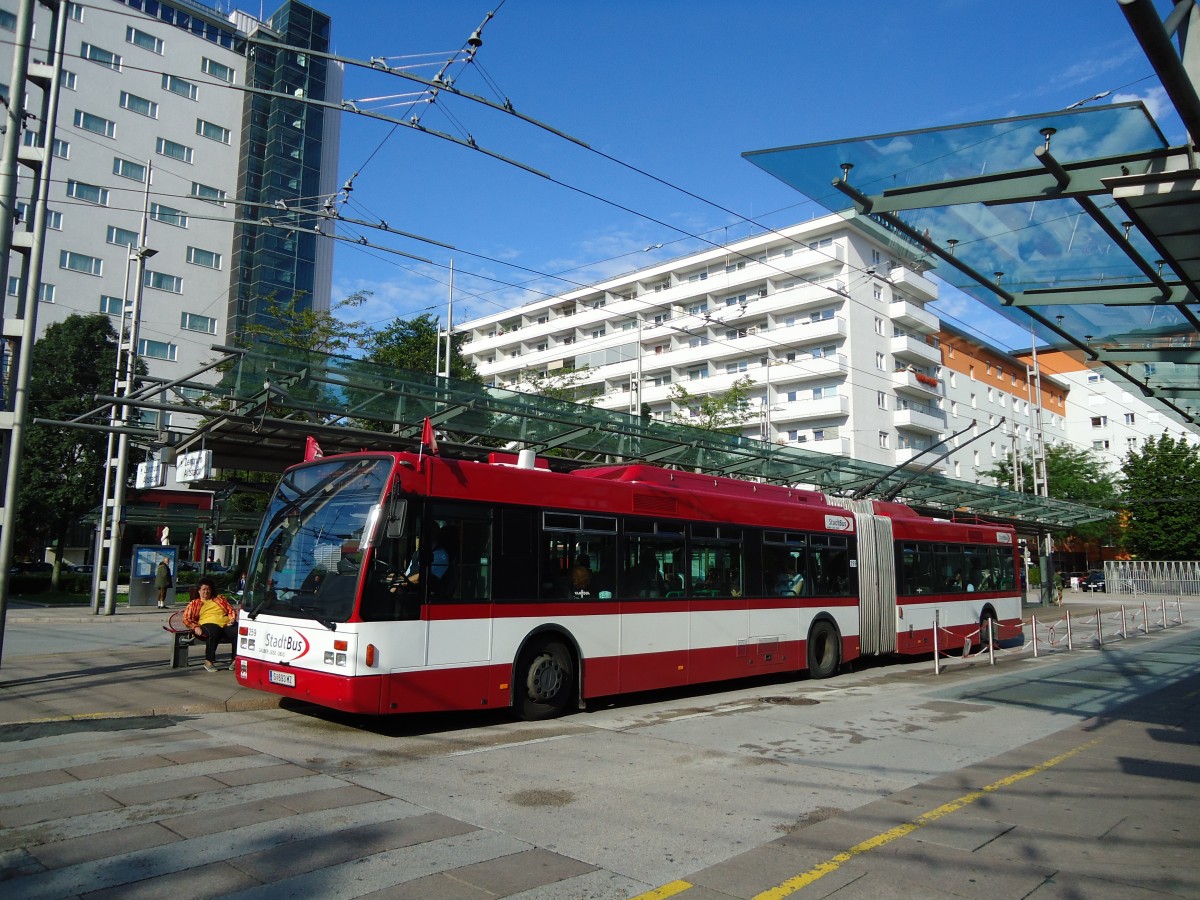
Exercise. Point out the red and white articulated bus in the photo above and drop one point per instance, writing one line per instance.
(393, 583)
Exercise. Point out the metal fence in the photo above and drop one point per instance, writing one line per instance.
(1136, 577)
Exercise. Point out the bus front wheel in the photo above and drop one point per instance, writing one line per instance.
(824, 649)
(547, 678)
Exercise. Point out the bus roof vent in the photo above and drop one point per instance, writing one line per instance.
(651, 503)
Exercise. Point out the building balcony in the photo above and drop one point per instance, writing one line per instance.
(806, 367)
(922, 385)
(910, 349)
(910, 282)
(798, 410)
(910, 315)
(908, 454)
(920, 421)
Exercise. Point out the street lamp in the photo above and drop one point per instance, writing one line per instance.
(137, 255)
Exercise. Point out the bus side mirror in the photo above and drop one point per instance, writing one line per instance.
(397, 519)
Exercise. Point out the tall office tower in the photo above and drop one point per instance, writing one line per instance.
(288, 161)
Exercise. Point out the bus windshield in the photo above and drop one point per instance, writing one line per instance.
(308, 556)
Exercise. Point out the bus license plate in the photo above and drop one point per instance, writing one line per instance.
(287, 679)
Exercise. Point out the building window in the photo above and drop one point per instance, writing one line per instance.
(160, 281)
(598, 333)
(168, 215)
(89, 193)
(698, 373)
(877, 292)
(16, 287)
(1099, 445)
(180, 86)
(206, 192)
(157, 349)
(1099, 421)
(879, 326)
(67, 80)
(881, 399)
(111, 305)
(698, 309)
(211, 131)
(128, 169)
(217, 70)
(172, 150)
(95, 124)
(122, 236)
(139, 105)
(1131, 443)
(194, 322)
(100, 56)
(884, 440)
(734, 367)
(143, 39)
(1130, 418)
(206, 258)
(75, 11)
(880, 362)
(80, 262)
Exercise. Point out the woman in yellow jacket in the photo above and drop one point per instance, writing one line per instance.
(211, 617)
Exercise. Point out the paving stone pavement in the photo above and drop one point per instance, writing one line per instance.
(107, 791)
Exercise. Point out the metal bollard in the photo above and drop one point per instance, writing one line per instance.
(937, 660)
(1179, 609)
(1124, 627)
(1145, 618)
(1099, 628)
(1070, 639)
(1033, 626)
(1164, 612)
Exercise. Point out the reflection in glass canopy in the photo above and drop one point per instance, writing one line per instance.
(1025, 215)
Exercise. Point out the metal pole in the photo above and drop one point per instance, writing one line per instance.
(1033, 625)
(103, 537)
(1145, 617)
(1070, 638)
(1099, 628)
(16, 393)
(140, 254)
(1164, 612)
(450, 322)
(1124, 625)
(937, 660)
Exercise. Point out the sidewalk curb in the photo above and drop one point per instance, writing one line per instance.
(188, 709)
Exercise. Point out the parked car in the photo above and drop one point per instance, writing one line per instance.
(84, 569)
(30, 567)
(1093, 581)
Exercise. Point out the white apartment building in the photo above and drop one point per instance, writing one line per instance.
(1104, 416)
(828, 322)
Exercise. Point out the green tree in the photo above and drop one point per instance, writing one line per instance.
(307, 330)
(561, 384)
(413, 344)
(1161, 494)
(1079, 476)
(62, 469)
(726, 411)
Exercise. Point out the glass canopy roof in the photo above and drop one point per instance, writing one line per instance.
(271, 398)
(1039, 217)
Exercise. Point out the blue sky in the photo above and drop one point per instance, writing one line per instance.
(679, 90)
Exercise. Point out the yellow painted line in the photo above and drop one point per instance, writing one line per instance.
(836, 862)
(667, 890)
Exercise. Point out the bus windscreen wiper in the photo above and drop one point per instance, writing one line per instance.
(316, 615)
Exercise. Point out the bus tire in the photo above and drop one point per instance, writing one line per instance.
(545, 680)
(824, 649)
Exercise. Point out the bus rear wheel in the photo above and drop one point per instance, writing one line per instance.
(824, 649)
(547, 678)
